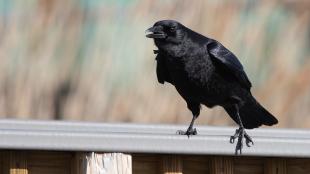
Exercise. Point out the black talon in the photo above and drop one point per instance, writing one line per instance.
(194, 131)
(190, 131)
(232, 139)
(248, 143)
(240, 133)
(248, 140)
(239, 145)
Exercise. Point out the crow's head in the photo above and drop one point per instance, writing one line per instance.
(166, 32)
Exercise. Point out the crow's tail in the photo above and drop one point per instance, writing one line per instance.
(252, 114)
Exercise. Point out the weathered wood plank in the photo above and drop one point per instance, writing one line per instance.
(50, 162)
(146, 163)
(1, 162)
(45, 162)
(222, 165)
(78, 164)
(245, 165)
(5, 165)
(108, 163)
(298, 166)
(17, 162)
(172, 164)
(276, 166)
(228, 165)
(196, 164)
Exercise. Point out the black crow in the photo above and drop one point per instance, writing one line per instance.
(204, 72)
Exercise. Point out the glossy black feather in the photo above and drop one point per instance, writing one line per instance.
(222, 55)
(204, 72)
(161, 69)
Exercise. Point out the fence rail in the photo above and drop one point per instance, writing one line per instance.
(32, 147)
(136, 138)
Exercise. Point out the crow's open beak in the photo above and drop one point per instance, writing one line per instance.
(155, 32)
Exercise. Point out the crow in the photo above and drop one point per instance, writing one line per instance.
(204, 72)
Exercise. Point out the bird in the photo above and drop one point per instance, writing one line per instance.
(204, 72)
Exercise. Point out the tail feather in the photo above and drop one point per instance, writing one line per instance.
(252, 115)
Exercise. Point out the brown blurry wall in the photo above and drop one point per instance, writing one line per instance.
(89, 59)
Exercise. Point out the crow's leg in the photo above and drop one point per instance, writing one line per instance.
(195, 108)
(190, 130)
(240, 133)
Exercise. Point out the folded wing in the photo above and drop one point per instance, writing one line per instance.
(227, 60)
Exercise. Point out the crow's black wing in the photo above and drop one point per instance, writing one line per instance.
(161, 69)
(231, 64)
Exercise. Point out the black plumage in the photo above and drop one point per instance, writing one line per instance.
(204, 72)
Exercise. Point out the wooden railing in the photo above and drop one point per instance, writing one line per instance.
(39, 147)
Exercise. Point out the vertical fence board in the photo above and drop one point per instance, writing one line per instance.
(245, 165)
(106, 163)
(17, 162)
(216, 165)
(1, 162)
(196, 164)
(4, 162)
(228, 165)
(276, 166)
(146, 163)
(79, 163)
(222, 165)
(171, 164)
(298, 166)
(47, 162)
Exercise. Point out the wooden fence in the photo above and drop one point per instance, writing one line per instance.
(38, 147)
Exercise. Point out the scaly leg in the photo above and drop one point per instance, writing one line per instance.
(240, 133)
(190, 130)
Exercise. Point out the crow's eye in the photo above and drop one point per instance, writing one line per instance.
(172, 29)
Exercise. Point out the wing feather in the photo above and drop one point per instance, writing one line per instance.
(222, 55)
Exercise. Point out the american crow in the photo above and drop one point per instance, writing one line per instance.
(204, 72)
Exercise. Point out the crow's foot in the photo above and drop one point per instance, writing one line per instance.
(240, 133)
(188, 132)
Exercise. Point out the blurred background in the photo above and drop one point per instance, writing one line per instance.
(90, 60)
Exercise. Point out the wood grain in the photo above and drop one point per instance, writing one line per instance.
(1, 162)
(78, 164)
(196, 164)
(276, 166)
(146, 164)
(298, 166)
(222, 165)
(50, 162)
(171, 164)
(245, 165)
(108, 163)
(40, 162)
(17, 162)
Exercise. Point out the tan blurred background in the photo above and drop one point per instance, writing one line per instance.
(89, 59)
